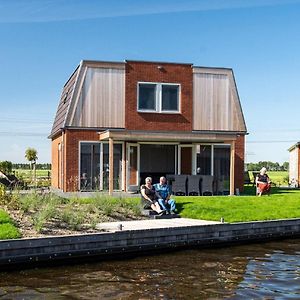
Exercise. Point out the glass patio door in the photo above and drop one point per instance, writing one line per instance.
(133, 169)
(94, 166)
(117, 180)
(89, 166)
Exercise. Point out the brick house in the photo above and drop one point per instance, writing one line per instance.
(140, 118)
(294, 164)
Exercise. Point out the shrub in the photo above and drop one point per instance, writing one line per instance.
(2, 191)
(4, 197)
(9, 199)
(4, 217)
(31, 201)
(73, 217)
(43, 215)
(6, 166)
(9, 231)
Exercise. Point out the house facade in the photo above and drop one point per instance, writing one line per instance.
(294, 164)
(119, 122)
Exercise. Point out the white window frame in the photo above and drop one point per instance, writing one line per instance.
(212, 161)
(158, 98)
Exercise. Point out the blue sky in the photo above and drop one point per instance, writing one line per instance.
(42, 41)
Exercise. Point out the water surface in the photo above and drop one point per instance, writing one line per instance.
(265, 271)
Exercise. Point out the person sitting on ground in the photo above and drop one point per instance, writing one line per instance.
(149, 196)
(162, 188)
(263, 182)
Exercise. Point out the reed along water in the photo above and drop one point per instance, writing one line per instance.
(255, 271)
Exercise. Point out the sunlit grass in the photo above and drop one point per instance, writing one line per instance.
(7, 228)
(282, 204)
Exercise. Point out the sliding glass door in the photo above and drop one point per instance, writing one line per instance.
(222, 165)
(94, 166)
(89, 166)
(117, 166)
(204, 159)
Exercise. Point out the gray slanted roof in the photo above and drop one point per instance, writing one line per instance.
(74, 99)
(294, 146)
(64, 103)
(71, 91)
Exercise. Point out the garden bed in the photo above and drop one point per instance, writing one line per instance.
(40, 215)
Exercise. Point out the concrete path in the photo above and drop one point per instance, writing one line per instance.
(151, 224)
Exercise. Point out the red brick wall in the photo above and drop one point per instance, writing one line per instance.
(148, 72)
(54, 162)
(239, 163)
(72, 138)
(71, 157)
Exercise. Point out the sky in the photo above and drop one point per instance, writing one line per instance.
(43, 41)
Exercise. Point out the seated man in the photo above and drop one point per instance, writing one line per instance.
(164, 192)
(263, 182)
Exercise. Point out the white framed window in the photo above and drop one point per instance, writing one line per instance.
(158, 97)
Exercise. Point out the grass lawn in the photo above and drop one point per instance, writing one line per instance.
(42, 179)
(26, 173)
(279, 177)
(281, 204)
(7, 228)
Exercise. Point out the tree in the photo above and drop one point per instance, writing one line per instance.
(6, 166)
(31, 156)
(286, 166)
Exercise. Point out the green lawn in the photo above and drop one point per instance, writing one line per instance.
(26, 173)
(42, 179)
(281, 204)
(7, 228)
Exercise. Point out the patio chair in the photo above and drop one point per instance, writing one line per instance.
(5, 182)
(194, 185)
(247, 179)
(170, 179)
(179, 185)
(207, 185)
(10, 181)
(254, 177)
(219, 186)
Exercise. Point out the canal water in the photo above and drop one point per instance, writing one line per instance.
(256, 271)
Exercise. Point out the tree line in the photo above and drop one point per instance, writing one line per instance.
(271, 166)
(45, 166)
(7, 166)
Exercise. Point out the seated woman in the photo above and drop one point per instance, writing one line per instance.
(263, 182)
(149, 196)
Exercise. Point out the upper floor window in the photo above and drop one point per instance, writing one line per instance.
(158, 97)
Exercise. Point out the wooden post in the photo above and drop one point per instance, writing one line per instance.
(124, 167)
(111, 166)
(232, 163)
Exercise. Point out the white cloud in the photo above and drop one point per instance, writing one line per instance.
(15, 11)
